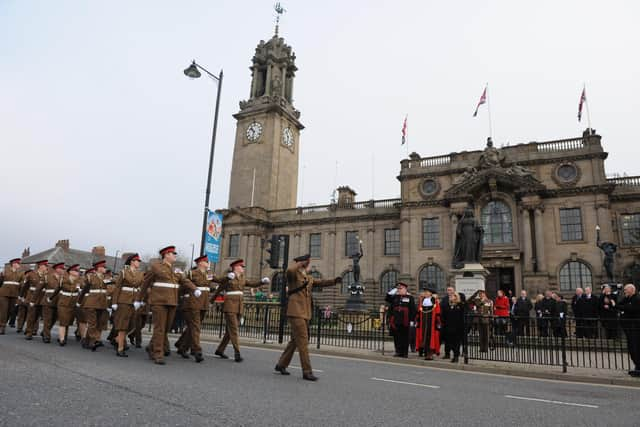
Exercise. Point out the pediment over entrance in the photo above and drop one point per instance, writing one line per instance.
(514, 179)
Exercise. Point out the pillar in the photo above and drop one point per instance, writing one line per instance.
(526, 234)
(539, 229)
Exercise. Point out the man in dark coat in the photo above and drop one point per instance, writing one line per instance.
(548, 312)
(521, 312)
(629, 309)
(402, 309)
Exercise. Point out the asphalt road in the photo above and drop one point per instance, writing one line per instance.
(47, 385)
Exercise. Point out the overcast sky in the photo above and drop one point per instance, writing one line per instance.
(106, 142)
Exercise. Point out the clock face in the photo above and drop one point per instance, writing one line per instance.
(287, 137)
(254, 131)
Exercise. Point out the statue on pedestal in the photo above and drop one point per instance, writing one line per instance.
(355, 302)
(609, 249)
(469, 235)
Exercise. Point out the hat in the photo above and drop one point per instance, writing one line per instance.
(74, 267)
(167, 249)
(301, 258)
(201, 258)
(42, 262)
(58, 265)
(402, 284)
(14, 260)
(236, 262)
(131, 258)
(89, 271)
(100, 263)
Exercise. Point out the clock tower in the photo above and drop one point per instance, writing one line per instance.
(264, 171)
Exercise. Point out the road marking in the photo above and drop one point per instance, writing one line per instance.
(405, 383)
(555, 402)
(298, 367)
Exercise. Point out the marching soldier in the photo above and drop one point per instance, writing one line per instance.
(162, 284)
(93, 299)
(10, 281)
(67, 296)
(140, 317)
(300, 284)
(81, 317)
(126, 288)
(34, 280)
(233, 286)
(194, 310)
(22, 305)
(49, 301)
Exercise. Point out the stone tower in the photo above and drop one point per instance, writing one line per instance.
(264, 172)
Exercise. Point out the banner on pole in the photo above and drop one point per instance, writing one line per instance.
(213, 236)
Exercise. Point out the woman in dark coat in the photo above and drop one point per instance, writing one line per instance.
(453, 317)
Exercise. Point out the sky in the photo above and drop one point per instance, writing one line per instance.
(104, 141)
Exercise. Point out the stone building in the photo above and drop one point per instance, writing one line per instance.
(539, 204)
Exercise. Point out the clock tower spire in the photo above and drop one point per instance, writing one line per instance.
(264, 171)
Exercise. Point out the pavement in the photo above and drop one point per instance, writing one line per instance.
(47, 384)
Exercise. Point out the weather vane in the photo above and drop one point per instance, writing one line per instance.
(279, 11)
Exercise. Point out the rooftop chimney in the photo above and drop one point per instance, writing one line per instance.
(64, 244)
(99, 251)
(346, 197)
(26, 252)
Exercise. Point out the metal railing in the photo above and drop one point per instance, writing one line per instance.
(565, 342)
(561, 145)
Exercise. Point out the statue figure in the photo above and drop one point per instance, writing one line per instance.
(609, 249)
(492, 157)
(356, 288)
(469, 234)
(519, 170)
(468, 173)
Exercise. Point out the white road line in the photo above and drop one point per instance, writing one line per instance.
(298, 367)
(405, 383)
(555, 402)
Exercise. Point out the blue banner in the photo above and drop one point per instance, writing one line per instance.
(212, 239)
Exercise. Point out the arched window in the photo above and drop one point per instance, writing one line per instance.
(497, 223)
(276, 283)
(574, 274)
(347, 280)
(388, 280)
(431, 276)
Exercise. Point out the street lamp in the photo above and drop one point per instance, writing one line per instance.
(193, 72)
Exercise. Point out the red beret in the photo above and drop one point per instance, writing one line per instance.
(163, 251)
(58, 265)
(14, 260)
(201, 258)
(100, 263)
(42, 262)
(74, 267)
(134, 257)
(89, 271)
(402, 284)
(236, 262)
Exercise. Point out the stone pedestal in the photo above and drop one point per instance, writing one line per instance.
(470, 279)
(355, 302)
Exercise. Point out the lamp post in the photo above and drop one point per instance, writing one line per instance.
(193, 72)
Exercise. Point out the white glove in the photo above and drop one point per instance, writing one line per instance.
(197, 293)
(114, 307)
(31, 304)
(265, 280)
(137, 304)
(561, 315)
(20, 298)
(78, 304)
(231, 275)
(109, 311)
(412, 323)
(393, 291)
(49, 300)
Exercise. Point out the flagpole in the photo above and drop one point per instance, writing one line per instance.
(586, 104)
(373, 176)
(489, 111)
(406, 119)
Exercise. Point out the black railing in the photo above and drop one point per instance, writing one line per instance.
(565, 342)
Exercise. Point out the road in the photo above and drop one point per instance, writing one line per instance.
(44, 384)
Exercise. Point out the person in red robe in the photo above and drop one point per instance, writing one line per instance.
(428, 325)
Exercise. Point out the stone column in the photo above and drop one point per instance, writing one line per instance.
(405, 246)
(254, 82)
(540, 257)
(332, 257)
(267, 84)
(369, 254)
(454, 230)
(527, 243)
(604, 221)
(252, 261)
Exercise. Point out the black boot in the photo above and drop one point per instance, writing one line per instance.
(282, 370)
(237, 357)
(309, 377)
(199, 357)
(183, 354)
(121, 354)
(221, 354)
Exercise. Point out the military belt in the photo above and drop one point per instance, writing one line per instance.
(7, 282)
(98, 291)
(235, 293)
(165, 285)
(49, 291)
(204, 288)
(69, 294)
(129, 289)
(32, 289)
